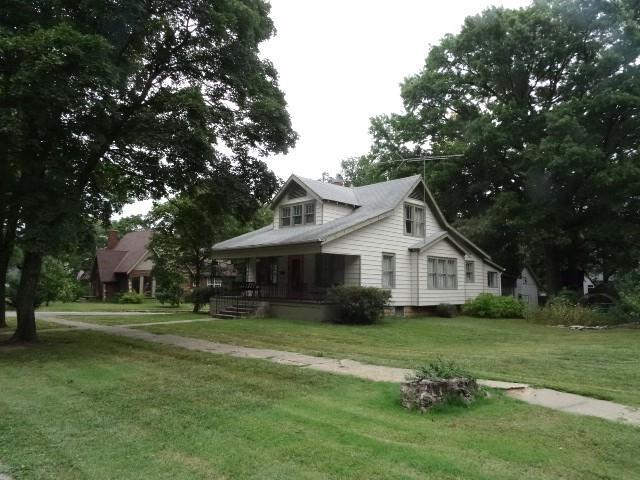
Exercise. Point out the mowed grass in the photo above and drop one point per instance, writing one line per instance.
(603, 364)
(84, 405)
(97, 306)
(40, 325)
(133, 319)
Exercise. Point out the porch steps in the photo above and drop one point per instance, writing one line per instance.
(235, 312)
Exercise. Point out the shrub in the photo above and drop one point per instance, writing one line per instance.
(487, 305)
(562, 312)
(358, 305)
(446, 310)
(131, 297)
(628, 289)
(200, 296)
(439, 369)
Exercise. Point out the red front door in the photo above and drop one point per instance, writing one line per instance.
(296, 276)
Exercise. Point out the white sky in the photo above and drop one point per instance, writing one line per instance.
(341, 62)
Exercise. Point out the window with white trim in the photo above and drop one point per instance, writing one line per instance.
(413, 220)
(442, 273)
(469, 271)
(309, 213)
(388, 270)
(285, 216)
(492, 279)
(214, 282)
(298, 214)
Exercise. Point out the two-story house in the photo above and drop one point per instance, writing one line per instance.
(389, 235)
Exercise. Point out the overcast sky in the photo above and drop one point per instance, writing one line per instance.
(341, 62)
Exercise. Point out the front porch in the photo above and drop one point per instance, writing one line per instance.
(284, 281)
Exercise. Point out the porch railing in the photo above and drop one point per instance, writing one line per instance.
(256, 291)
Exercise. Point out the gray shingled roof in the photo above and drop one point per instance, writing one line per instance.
(375, 201)
(371, 201)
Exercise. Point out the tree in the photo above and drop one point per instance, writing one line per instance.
(186, 227)
(107, 102)
(56, 282)
(542, 106)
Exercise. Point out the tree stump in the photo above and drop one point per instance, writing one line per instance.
(424, 394)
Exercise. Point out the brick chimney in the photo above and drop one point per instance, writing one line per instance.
(112, 239)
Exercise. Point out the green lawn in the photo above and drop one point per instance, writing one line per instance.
(41, 325)
(97, 306)
(135, 319)
(604, 364)
(83, 405)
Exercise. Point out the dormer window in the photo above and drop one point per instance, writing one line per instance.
(298, 214)
(413, 220)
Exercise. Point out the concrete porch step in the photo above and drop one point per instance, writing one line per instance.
(224, 316)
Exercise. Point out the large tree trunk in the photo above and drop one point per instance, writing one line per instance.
(4, 266)
(6, 250)
(196, 280)
(553, 272)
(25, 309)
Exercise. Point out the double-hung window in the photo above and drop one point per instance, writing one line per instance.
(492, 279)
(309, 213)
(413, 220)
(388, 270)
(469, 271)
(442, 273)
(298, 214)
(285, 216)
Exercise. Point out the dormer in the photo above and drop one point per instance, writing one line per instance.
(303, 202)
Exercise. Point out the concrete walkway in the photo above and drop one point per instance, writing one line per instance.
(565, 402)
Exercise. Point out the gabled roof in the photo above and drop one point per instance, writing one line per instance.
(432, 240)
(320, 190)
(372, 202)
(377, 201)
(130, 250)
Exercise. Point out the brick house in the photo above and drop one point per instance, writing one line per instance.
(124, 265)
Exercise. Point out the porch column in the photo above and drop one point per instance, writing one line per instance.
(153, 287)
(129, 284)
(104, 292)
(141, 284)
(251, 269)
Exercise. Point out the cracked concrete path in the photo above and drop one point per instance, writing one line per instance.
(564, 402)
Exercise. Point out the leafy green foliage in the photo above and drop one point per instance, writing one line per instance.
(131, 298)
(439, 369)
(104, 102)
(539, 107)
(628, 289)
(200, 296)
(565, 313)
(358, 305)
(487, 305)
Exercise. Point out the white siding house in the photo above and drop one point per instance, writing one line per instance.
(389, 235)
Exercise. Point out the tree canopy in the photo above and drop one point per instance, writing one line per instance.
(103, 102)
(541, 106)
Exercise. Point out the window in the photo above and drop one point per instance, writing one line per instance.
(442, 273)
(214, 282)
(309, 213)
(413, 220)
(388, 270)
(469, 271)
(298, 214)
(525, 280)
(492, 279)
(285, 216)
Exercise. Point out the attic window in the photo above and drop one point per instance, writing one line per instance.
(298, 214)
(296, 191)
(413, 220)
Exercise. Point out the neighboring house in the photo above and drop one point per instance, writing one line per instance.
(124, 266)
(525, 287)
(389, 235)
(223, 274)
